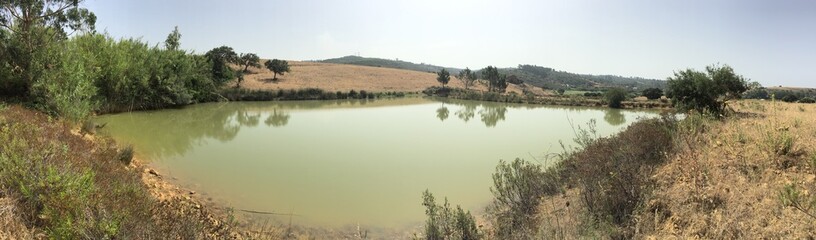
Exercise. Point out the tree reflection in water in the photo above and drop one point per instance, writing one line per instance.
(442, 113)
(277, 118)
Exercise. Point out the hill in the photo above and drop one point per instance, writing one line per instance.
(387, 63)
(345, 77)
(554, 79)
(531, 74)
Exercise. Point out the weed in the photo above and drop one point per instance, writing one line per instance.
(790, 196)
(125, 155)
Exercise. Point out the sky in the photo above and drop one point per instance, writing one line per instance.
(772, 42)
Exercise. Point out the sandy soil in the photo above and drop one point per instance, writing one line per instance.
(344, 77)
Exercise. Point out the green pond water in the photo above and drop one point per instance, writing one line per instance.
(336, 163)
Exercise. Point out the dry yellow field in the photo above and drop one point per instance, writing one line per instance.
(344, 77)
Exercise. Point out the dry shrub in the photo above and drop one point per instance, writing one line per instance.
(613, 172)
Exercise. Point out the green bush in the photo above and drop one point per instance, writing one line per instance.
(70, 188)
(517, 189)
(446, 223)
(705, 91)
(614, 97)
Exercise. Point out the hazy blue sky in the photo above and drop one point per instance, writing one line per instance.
(773, 42)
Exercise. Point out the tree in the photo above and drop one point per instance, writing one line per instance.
(249, 60)
(34, 27)
(219, 58)
(443, 77)
(496, 82)
(467, 77)
(652, 93)
(560, 91)
(277, 67)
(705, 91)
(173, 41)
(614, 97)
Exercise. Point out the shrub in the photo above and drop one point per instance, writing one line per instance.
(790, 98)
(446, 223)
(74, 189)
(807, 100)
(614, 97)
(125, 155)
(517, 189)
(652, 93)
(613, 172)
(705, 92)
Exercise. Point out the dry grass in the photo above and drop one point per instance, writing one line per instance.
(344, 77)
(725, 181)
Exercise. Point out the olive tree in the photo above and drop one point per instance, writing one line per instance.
(705, 91)
(277, 67)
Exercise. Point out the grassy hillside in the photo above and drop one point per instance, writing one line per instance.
(532, 75)
(387, 63)
(345, 77)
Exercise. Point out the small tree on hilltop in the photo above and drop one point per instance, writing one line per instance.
(705, 91)
(614, 97)
(443, 77)
(467, 77)
(277, 67)
(652, 93)
(173, 41)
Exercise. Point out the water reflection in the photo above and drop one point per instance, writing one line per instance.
(278, 118)
(174, 132)
(614, 117)
(491, 113)
(442, 113)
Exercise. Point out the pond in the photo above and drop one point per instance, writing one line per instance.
(366, 162)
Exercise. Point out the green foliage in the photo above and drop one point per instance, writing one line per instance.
(652, 93)
(756, 93)
(790, 98)
(173, 41)
(443, 77)
(614, 97)
(444, 223)
(219, 58)
(517, 189)
(705, 92)
(496, 82)
(560, 91)
(807, 100)
(277, 67)
(467, 77)
(69, 188)
(35, 27)
(791, 196)
(68, 90)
